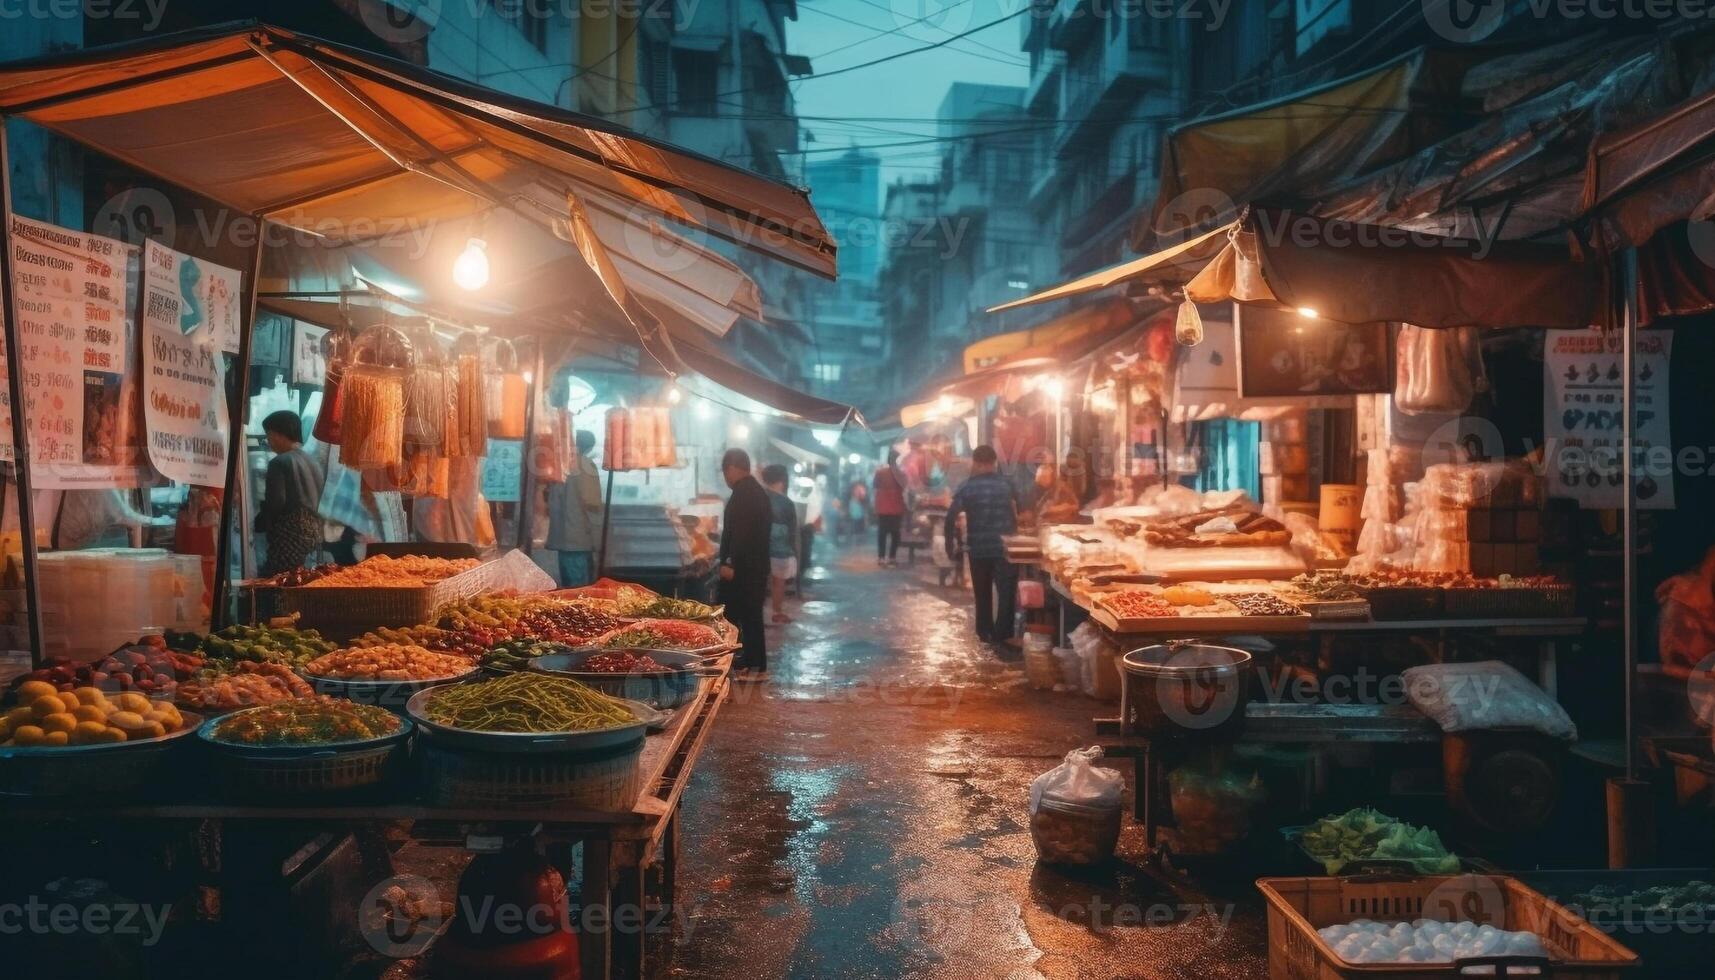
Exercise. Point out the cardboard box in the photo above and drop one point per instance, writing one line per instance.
(1529, 529)
(1479, 525)
(1503, 526)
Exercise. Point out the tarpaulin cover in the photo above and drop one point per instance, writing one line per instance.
(1176, 263)
(1355, 273)
(1054, 338)
(341, 142)
(1212, 167)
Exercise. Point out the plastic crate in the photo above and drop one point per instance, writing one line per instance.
(1298, 907)
(344, 612)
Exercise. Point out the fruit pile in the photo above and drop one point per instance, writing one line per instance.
(310, 721)
(622, 663)
(146, 666)
(84, 716)
(469, 642)
(395, 662)
(566, 623)
(264, 645)
(515, 655)
(498, 611)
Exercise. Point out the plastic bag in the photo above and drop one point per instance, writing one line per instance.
(1079, 780)
(1687, 634)
(1213, 807)
(1440, 371)
(1485, 695)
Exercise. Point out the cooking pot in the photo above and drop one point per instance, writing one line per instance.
(1184, 689)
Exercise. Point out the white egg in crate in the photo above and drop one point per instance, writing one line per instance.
(1425, 941)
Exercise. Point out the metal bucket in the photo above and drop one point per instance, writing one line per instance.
(1184, 689)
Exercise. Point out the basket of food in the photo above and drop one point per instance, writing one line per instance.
(669, 607)
(1429, 927)
(513, 656)
(1662, 914)
(86, 742)
(387, 675)
(660, 678)
(310, 746)
(1367, 840)
(1537, 597)
(530, 739)
(217, 690)
(383, 591)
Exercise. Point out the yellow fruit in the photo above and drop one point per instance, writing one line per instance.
(89, 712)
(90, 695)
(126, 720)
(63, 721)
(112, 735)
(20, 716)
(31, 690)
(50, 704)
(153, 729)
(57, 738)
(5, 730)
(28, 735)
(132, 701)
(88, 732)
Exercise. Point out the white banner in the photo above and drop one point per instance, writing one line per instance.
(184, 397)
(1583, 401)
(75, 329)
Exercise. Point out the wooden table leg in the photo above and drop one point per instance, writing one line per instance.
(629, 931)
(594, 941)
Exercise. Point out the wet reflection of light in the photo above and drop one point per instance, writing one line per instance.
(809, 790)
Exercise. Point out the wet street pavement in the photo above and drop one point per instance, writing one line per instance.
(866, 814)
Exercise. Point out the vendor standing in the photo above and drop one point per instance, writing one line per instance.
(288, 514)
(575, 516)
(744, 562)
(990, 508)
(889, 483)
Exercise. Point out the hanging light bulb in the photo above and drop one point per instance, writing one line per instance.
(1188, 327)
(1055, 388)
(854, 459)
(673, 395)
(470, 271)
(741, 432)
(1309, 313)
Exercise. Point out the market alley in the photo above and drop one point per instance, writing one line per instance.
(866, 814)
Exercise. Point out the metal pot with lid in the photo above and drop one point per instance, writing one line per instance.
(1184, 688)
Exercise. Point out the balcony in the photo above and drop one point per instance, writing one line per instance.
(1042, 93)
(1110, 80)
(1072, 23)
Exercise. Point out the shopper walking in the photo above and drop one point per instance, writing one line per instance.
(782, 540)
(889, 502)
(744, 564)
(575, 517)
(990, 508)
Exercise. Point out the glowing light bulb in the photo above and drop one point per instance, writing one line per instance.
(674, 396)
(741, 431)
(854, 459)
(1055, 388)
(797, 467)
(1309, 313)
(470, 271)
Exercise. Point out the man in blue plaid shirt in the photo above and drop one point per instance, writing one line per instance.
(990, 506)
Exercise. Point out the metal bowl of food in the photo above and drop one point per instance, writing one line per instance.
(582, 740)
(673, 684)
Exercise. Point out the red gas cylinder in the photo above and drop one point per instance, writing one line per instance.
(510, 922)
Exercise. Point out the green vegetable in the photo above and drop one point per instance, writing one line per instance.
(526, 702)
(1366, 835)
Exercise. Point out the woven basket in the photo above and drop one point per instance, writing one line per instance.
(607, 780)
(323, 773)
(91, 770)
(344, 612)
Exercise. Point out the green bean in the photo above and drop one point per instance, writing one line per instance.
(526, 703)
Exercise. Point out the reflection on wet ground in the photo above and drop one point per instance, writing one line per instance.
(865, 815)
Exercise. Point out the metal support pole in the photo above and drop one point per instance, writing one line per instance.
(526, 459)
(15, 394)
(606, 519)
(236, 470)
(1629, 512)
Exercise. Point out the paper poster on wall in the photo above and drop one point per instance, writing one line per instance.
(1583, 401)
(309, 367)
(503, 471)
(184, 397)
(75, 329)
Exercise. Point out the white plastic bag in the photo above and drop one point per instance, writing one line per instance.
(1078, 780)
(1440, 371)
(1485, 695)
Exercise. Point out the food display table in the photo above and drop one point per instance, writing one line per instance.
(618, 846)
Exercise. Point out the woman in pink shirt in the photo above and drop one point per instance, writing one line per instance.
(889, 497)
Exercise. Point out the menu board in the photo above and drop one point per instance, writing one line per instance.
(71, 292)
(1285, 355)
(1583, 396)
(184, 398)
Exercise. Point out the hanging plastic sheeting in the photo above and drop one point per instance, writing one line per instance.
(1354, 273)
(1438, 371)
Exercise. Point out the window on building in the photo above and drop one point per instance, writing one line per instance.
(657, 74)
(1148, 31)
(696, 76)
(530, 19)
(825, 372)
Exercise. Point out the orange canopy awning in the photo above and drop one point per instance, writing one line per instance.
(349, 145)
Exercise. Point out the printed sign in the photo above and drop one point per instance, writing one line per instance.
(184, 396)
(1583, 402)
(71, 293)
(503, 471)
(309, 367)
(1285, 355)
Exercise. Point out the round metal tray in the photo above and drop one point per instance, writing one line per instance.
(661, 688)
(193, 721)
(205, 733)
(596, 738)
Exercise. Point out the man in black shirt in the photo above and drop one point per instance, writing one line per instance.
(744, 562)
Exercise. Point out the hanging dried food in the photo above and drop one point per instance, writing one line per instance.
(507, 392)
(470, 436)
(373, 423)
(336, 351)
(639, 439)
(425, 395)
